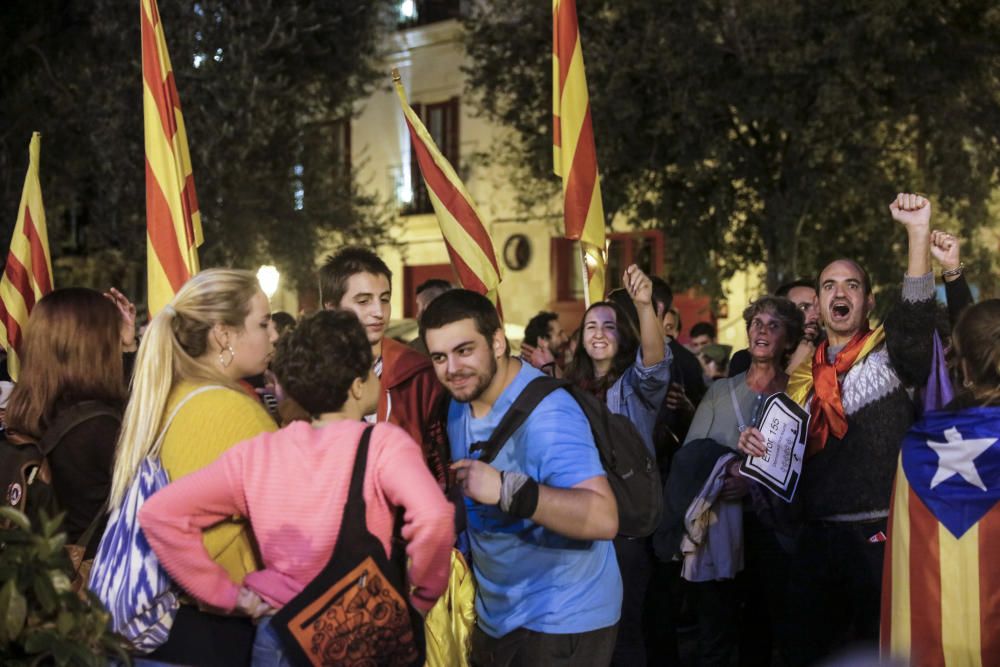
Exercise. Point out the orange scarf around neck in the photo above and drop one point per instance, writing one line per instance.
(827, 411)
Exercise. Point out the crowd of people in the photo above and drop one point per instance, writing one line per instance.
(287, 456)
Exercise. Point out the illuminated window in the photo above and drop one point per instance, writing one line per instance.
(412, 13)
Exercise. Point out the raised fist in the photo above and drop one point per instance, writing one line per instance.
(945, 249)
(911, 210)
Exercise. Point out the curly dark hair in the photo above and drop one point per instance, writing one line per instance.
(785, 311)
(317, 361)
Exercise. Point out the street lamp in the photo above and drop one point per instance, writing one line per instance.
(268, 277)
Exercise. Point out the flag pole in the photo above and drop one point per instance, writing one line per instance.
(585, 274)
(469, 244)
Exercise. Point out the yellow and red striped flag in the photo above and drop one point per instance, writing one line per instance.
(573, 151)
(28, 274)
(941, 580)
(469, 244)
(173, 222)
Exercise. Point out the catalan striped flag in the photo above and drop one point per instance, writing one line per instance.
(573, 151)
(28, 274)
(173, 222)
(469, 244)
(941, 581)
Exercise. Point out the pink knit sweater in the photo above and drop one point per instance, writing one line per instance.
(293, 485)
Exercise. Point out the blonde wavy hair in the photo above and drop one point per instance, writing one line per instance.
(171, 351)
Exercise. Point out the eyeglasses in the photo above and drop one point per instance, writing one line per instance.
(759, 325)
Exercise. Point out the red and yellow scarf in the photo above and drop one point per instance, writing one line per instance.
(826, 412)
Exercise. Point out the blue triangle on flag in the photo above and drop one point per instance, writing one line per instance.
(956, 499)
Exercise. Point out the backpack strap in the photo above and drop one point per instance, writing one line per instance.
(88, 534)
(71, 418)
(517, 413)
(66, 421)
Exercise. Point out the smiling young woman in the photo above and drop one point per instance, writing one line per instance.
(623, 358)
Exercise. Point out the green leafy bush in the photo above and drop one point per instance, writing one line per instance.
(42, 620)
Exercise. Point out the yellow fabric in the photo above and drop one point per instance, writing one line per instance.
(206, 426)
(899, 557)
(448, 626)
(29, 241)
(801, 381)
(960, 603)
(168, 163)
(572, 127)
(481, 260)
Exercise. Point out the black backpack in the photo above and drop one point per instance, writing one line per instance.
(25, 479)
(632, 471)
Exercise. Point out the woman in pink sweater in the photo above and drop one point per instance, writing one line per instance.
(293, 486)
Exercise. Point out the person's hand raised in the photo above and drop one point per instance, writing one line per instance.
(638, 285)
(127, 310)
(911, 210)
(945, 249)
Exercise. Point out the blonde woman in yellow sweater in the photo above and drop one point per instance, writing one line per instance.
(216, 331)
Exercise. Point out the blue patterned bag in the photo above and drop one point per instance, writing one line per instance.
(127, 577)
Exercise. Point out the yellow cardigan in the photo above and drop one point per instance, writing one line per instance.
(206, 426)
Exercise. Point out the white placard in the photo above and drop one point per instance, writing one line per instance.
(784, 425)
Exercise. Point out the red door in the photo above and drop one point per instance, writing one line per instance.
(415, 276)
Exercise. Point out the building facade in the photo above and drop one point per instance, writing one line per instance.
(540, 269)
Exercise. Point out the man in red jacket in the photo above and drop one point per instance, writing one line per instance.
(356, 279)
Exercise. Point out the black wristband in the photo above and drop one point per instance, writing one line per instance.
(525, 501)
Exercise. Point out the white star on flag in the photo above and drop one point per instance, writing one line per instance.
(956, 456)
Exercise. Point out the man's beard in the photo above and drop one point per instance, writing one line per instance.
(482, 382)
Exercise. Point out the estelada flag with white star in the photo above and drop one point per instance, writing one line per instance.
(941, 581)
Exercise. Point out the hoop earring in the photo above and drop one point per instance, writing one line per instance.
(222, 359)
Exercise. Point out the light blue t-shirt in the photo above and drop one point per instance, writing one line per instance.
(528, 576)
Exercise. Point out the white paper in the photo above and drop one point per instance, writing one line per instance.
(784, 426)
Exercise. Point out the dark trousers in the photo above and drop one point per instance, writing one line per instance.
(835, 587)
(739, 619)
(717, 608)
(635, 563)
(526, 648)
(198, 638)
(762, 589)
(661, 611)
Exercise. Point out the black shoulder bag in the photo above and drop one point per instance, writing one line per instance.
(355, 612)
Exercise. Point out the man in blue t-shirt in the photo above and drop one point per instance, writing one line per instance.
(541, 516)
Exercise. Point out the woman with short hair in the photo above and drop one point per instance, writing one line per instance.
(293, 487)
(726, 415)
